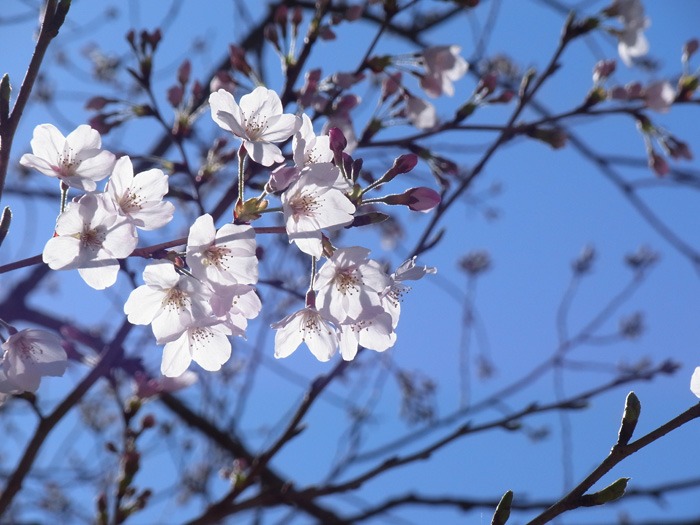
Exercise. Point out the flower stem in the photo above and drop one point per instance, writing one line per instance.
(241, 173)
(64, 196)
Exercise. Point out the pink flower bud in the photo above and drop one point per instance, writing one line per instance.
(689, 49)
(403, 164)
(418, 199)
(338, 142)
(183, 72)
(422, 199)
(659, 96)
(658, 164)
(603, 69)
(175, 96)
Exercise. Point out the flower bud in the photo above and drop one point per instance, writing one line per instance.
(183, 72)
(658, 164)
(418, 199)
(689, 49)
(402, 164)
(338, 143)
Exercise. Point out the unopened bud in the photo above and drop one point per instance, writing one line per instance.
(658, 164)
(689, 49)
(402, 164)
(603, 69)
(183, 72)
(555, 137)
(418, 199)
(338, 142)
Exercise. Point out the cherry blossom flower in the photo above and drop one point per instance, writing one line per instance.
(139, 197)
(91, 236)
(226, 256)
(29, 355)
(234, 305)
(76, 160)
(258, 121)
(443, 65)
(348, 283)
(373, 329)
(659, 96)
(168, 301)
(419, 112)
(205, 342)
(308, 147)
(393, 294)
(631, 40)
(695, 382)
(150, 387)
(315, 202)
(308, 326)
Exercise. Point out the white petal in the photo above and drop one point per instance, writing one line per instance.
(176, 357)
(100, 274)
(695, 382)
(289, 334)
(84, 137)
(47, 142)
(210, 348)
(263, 152)
(143, 304)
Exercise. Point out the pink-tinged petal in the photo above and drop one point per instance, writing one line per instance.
(161, 274)
(97, 167)
(120, 240)
(176, 357)
(226, 113)
(39, 163)
(143, 305)
(170, 323)
(377, 334)
(61, 253)
(348, 342)
(261, 102)
(263, 153)
(289, 334)
(210, 348)
(151, 185)
(323, 342)
(47, 142)
(100, 274)
(281, 127)
(202, 233)
(121, 178)
(83, 137)
(308, 242)
(153, 215)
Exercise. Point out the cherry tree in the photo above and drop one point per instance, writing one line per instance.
(334, 176)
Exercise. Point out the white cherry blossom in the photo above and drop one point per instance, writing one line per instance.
(393, 294)
(443, 66)
(91, 236)
(29, 355)
(349, 283)
(205, 342)
(139, 197)
(373, 330)
(170, 302)
(306, 326)
(308, 147)
(76, 160)
(419, 112)
(259, 121)
(631, 40)
(315, 202)
(226, 256)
